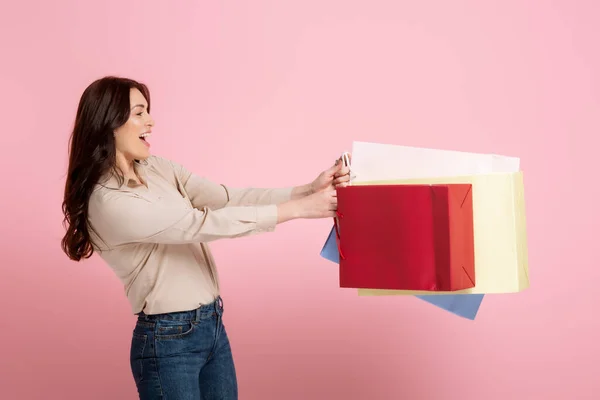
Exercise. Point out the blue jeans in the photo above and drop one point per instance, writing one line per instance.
(183, 356)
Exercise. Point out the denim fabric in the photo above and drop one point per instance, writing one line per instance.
(183, 356)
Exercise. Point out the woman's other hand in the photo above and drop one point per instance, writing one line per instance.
(334, 176)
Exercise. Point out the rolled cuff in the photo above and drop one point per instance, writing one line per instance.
(266, 218)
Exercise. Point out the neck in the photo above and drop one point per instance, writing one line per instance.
(126, 166)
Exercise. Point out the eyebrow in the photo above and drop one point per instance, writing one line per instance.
(138, 105)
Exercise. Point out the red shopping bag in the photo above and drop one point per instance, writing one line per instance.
(406, 237)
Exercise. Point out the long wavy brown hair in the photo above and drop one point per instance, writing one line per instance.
(104, 106)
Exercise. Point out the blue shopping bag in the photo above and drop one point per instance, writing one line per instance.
(463, 305)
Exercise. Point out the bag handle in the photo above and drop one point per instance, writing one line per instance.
(346, 160)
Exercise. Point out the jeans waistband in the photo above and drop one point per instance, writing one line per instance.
(199, 313)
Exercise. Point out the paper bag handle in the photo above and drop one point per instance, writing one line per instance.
(346, 160)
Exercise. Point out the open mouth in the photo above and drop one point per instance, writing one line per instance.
(143, 138)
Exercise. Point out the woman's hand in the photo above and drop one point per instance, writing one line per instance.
(322, 204)
(319, 198)
(337, 175)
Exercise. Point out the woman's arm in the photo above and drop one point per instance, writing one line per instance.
(204, 192)
(264, 196)
(299, 192)
(122, 218)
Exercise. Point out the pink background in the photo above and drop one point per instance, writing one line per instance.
(306, 78)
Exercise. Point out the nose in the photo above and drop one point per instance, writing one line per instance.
(150, 121)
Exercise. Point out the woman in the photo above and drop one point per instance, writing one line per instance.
(150, 219)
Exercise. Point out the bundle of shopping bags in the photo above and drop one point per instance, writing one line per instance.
(443, 225)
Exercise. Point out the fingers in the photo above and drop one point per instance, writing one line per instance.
(335, 169)
(339, 169)
(342, 172)
(342, 179)
(326, 214)
(331, 199)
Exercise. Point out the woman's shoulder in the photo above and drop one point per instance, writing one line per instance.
(161, 162)
(166, 167)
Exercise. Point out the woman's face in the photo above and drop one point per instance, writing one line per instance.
(132, 137)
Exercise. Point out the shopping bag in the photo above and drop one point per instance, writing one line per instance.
(407, 237)
(501, 259)
(464, 305)
(329, 251)
(377, 162)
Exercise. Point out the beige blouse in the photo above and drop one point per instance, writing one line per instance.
(155, 236)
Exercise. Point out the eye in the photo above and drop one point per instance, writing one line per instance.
(140, 113)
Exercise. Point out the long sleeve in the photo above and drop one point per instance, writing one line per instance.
(205, 192)
(257, 196)
(155, 235)
(121, 218)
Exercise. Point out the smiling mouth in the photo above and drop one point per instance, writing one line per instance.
(143, 137)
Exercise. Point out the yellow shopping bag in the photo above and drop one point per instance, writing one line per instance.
(501, 260)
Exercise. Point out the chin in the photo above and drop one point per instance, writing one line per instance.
(142, 156)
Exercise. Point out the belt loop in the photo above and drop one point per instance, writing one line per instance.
(197, 316)
(219, 305)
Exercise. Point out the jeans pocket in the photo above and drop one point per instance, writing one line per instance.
(136, 357)
(174, 329)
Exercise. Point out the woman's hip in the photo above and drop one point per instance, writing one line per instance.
(169, 351)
